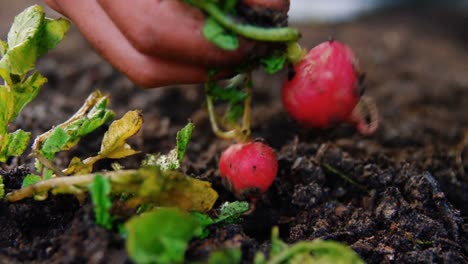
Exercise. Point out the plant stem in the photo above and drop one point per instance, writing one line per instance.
(247, 106)
(294, 52)
(79, 181)
(214, 123)
(283, 34)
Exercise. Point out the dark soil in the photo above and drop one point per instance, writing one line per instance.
(407, 198)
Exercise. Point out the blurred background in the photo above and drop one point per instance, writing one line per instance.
(302, 11)
(341, 10)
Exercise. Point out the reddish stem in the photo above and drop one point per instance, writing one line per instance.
(365, 107)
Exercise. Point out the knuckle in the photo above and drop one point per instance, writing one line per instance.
(143, 39)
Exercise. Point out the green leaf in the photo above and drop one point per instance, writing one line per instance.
(13, 144)
(215, 33)
(277, 245)
(229, 6)
(3, 47)
(230, 212)
(7, 108)
(333, 252)
(25, 26)
(205, 221)
(22, 41)
(316, 251)
(53, 32)
(274, 63)
(54, 143)
(183, 139)
(226, 256)
(230, 94)
(2, 188)
(97, 116)
(160, 236)
(100, 190)
(25, 92)
(233, 94)
(173, 160)
(234, 112)
(30, 179)
(30, 36)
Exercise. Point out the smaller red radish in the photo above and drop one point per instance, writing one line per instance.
(325, 88)
(248, 169)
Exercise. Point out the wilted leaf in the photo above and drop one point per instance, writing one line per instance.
(89, 117)
(123, 151)
(77, 167)
(114, 141)
(160, 236)
(100, 190)
(172, 188)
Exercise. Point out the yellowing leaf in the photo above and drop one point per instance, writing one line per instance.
(172, 188)
(77, 167)
(119, 131)
(122, 152)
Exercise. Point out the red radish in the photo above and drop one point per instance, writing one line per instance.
(325, 89)
(248, 169)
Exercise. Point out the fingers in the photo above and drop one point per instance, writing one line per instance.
(144, 70)
(53, 5)
(170, 29)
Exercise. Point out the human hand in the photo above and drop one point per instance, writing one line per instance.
(156, 43)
